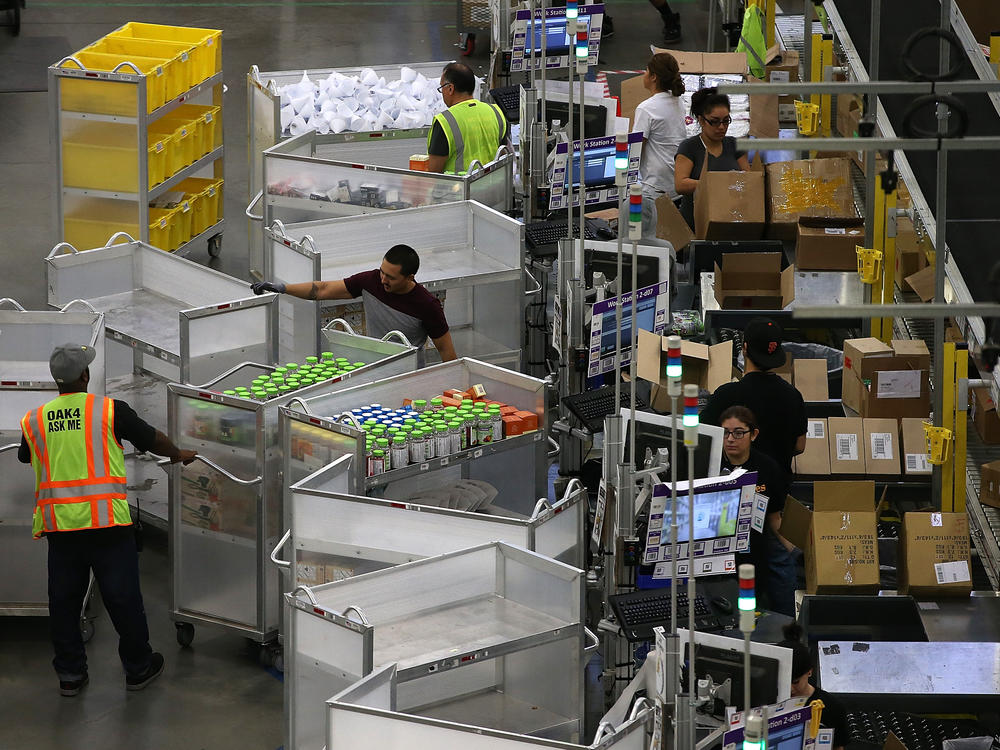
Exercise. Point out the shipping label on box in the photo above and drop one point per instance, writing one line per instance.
(847, 453)
(881, 446)
(815, 459)
(916, 461)
(935, 555)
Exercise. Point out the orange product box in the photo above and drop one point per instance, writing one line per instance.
(529, 418)
(454, 393)
(446, 401)
(506, 411)
(512, 426)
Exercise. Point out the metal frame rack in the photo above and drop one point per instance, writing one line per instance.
(117, 102)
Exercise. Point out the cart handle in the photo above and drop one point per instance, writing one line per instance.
(293, 399)
(346, 326)
(70, 58)
(255, 74)
(541, 506)
(358, 612)
(83, 302)
(138, 72)
(307, 591)
(284, 564)
(256, 199)
(276, 223)
(4, 448)
(591, 637)
(212, 465)
(605, 727)
(306, 240)
(116, 235)
(642, 704)
(573, 486)
(348, 418)
(230, 371)
(13, 303)
(538, 284)
(397, 335)
(53, 253)
(556, 450)
(474, 166)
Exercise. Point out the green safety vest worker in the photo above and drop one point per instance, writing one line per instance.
(473, 129)
(79, 464)
(752, 40)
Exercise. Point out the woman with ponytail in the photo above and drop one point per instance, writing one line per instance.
(660, 119)
(712, 111)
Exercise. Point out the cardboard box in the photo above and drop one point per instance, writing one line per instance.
(838, 537)
(609, 215)
(849, 111)
(808, 187)
(753, 281)
(916, 462)
(922, 282)
(989, 484)
(729, 206)
(782, 66)
(983, 17)
(810, 379)
(893, 388)
(856, 350)
(847, 451)
(828, 244)
(934, 555)
(670, 225)
(914, 350)
(705, 366)
(815, 459)
(763, 113)
(881, 446)
(911, 255)
(984, 415)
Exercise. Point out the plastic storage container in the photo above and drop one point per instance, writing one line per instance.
(108, 98)
(205, 119)
(177, 69)
(208, 43)
(181, 151)
(203, 195)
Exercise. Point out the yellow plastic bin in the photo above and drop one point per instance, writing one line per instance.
(203, 195)
(161, 228)
(160, 146)
(91, 222)
(181, 139)
(208, 134)
(179, 68)
(208, 43)
(181, 231)
(114, 98)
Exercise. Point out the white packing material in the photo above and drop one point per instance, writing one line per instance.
(287, 114)
(298, 126)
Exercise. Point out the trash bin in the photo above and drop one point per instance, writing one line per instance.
(806, 350)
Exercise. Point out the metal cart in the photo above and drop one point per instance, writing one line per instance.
(491, 636)
(336, 535)
(314, 176)
(369, 709)
(27, 338)
(516, 465)
(264, 123)
(230, 523)
(474, 20)
(470, 251)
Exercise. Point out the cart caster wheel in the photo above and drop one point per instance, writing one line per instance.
(185, 633)
(467, 44)
(215, 246)
(86, 630)
(271, 655)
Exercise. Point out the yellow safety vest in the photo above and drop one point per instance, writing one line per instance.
(79, 464)
(473, 129)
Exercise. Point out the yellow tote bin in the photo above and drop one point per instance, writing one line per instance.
(90, 223)
(206, 118)
(77, 96)
(180, 136)
(183, 216)
(208, 43)
(161, 221)
(204, 196)
(160, 145)
(101, 156)
(178, 69)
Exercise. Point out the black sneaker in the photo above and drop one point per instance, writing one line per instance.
(69, 688)
(672, 29)
(607, 28)
(152, 672)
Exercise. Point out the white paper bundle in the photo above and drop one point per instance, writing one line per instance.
(298, 126)
(338, 124)
(407, 75)
(368, 77)
(287, 113)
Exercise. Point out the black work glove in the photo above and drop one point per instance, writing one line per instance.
(262, 287)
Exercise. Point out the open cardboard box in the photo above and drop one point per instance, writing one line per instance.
(934, 555)
(753, 281)
(828, 244)
(729, 206)
(839, 537)
(807, 187)
(705, 366)
(670, 225)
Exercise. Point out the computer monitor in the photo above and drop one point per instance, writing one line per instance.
(598, 167)
(652, 431)
(558, 41)
(652, 264)
(721, 658)
(595, 117)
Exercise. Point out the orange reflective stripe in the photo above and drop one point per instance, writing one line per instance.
(88, 420)
(82, 482)
(49, 501)
(30, 435)
(43, 455)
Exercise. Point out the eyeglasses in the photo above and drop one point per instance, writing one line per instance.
(737, 434)
(716, 122)
(442, 86)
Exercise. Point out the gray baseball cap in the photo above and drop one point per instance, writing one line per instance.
(68, 361)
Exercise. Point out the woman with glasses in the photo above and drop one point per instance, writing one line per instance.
(739, 427)
(713, 114)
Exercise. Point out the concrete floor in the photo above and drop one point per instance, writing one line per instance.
(213, 695)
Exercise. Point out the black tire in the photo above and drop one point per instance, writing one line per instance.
(215, 246)
(185, 633)
(278, 662)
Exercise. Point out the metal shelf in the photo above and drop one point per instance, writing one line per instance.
(98, 118)
(489, 449)
(170, 182)
(328, 208)
(173, 104)
(203, 237)
(91, 193)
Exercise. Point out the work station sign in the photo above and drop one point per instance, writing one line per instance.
(598, 171)
(560, 52)
(652, 305)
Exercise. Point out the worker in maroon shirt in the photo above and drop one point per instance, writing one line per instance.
(393, 300)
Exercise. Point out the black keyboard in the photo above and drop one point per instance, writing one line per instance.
(508, 98)
(542, 237)
(640, 611)
(591, 407)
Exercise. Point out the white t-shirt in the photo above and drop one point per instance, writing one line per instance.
(660, 119)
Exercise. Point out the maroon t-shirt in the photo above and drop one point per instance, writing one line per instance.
(418, 314)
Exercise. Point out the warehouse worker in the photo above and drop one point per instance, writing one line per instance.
(392, 298)
(671, 21)
(469, 130)
(74, 443)
(710, 151)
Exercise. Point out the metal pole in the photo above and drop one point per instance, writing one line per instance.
(807, 16)
(870, 188)
(531, 36)
(673, 515)
(569, 187)
(746, 674)
(583, 187)
(545, 122)
(631, 403)
(713, 10)
(692, 690)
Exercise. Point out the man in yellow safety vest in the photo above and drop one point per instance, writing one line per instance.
(74, 444)
(469, 130)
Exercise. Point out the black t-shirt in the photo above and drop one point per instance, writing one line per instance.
(834, 717)
(771, 482)
(128, 426)
(694, 149)
(778, 407)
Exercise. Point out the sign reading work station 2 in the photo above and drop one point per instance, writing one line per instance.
(526, 52)
(598, 183)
